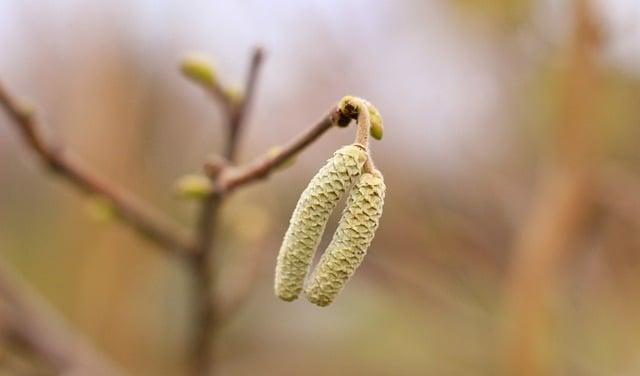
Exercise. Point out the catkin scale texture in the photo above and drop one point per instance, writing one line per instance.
(351, 240)
(310, 218)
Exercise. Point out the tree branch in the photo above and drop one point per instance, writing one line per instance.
(143, 218)
(563, 208)
(239, 112)
(204, 263)
(261, 167)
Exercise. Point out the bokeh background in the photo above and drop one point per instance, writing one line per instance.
(509, 243)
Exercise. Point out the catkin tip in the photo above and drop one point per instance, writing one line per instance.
(287, 298)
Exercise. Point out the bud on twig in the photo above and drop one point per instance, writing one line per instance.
(377, 126)
(100, 208)
(199, 68)
(195, 187)
(349, 107)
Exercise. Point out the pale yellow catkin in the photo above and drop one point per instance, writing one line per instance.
(310, 218)
(351, 240)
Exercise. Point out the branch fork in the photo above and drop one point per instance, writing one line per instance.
(224, 177)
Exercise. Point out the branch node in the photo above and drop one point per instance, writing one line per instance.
(214, 165)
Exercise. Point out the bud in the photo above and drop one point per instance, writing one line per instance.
(100, 208)
(349, 107)
(199, 68)
(194, 187)
(377, 126)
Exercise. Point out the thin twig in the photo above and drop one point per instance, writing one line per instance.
(262, 167)
(151, 223)
(239, 113)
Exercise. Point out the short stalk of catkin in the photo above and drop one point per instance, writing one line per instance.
(310, 217)
(351, 240)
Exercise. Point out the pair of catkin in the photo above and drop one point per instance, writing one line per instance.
(343, 173)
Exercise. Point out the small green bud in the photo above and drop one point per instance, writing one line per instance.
(377, 126)
(275, 151)
(349, 107)
(195, 187)
(199, 68)
(100, 209)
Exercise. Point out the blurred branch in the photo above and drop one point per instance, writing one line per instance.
(30, 321)
(238, 113)
(148, 221)
(262, 167)
(562, 208)
(203, 361)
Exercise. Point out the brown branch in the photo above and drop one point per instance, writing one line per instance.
(239, 113)
(563, 209)
(148, 221)
(261, 167)
(203, 361)
(222, 96)
(33, 323)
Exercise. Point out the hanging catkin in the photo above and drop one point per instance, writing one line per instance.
(351, 240)
(310, 218)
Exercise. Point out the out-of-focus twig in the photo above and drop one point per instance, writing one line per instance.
(30, 321)
(239, 112)
(203, 361)
(561, 210)
(153, 224)
(262, 167)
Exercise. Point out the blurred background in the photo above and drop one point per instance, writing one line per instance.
(509, 243)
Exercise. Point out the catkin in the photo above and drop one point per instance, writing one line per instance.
(310, 218)
(351, 240)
